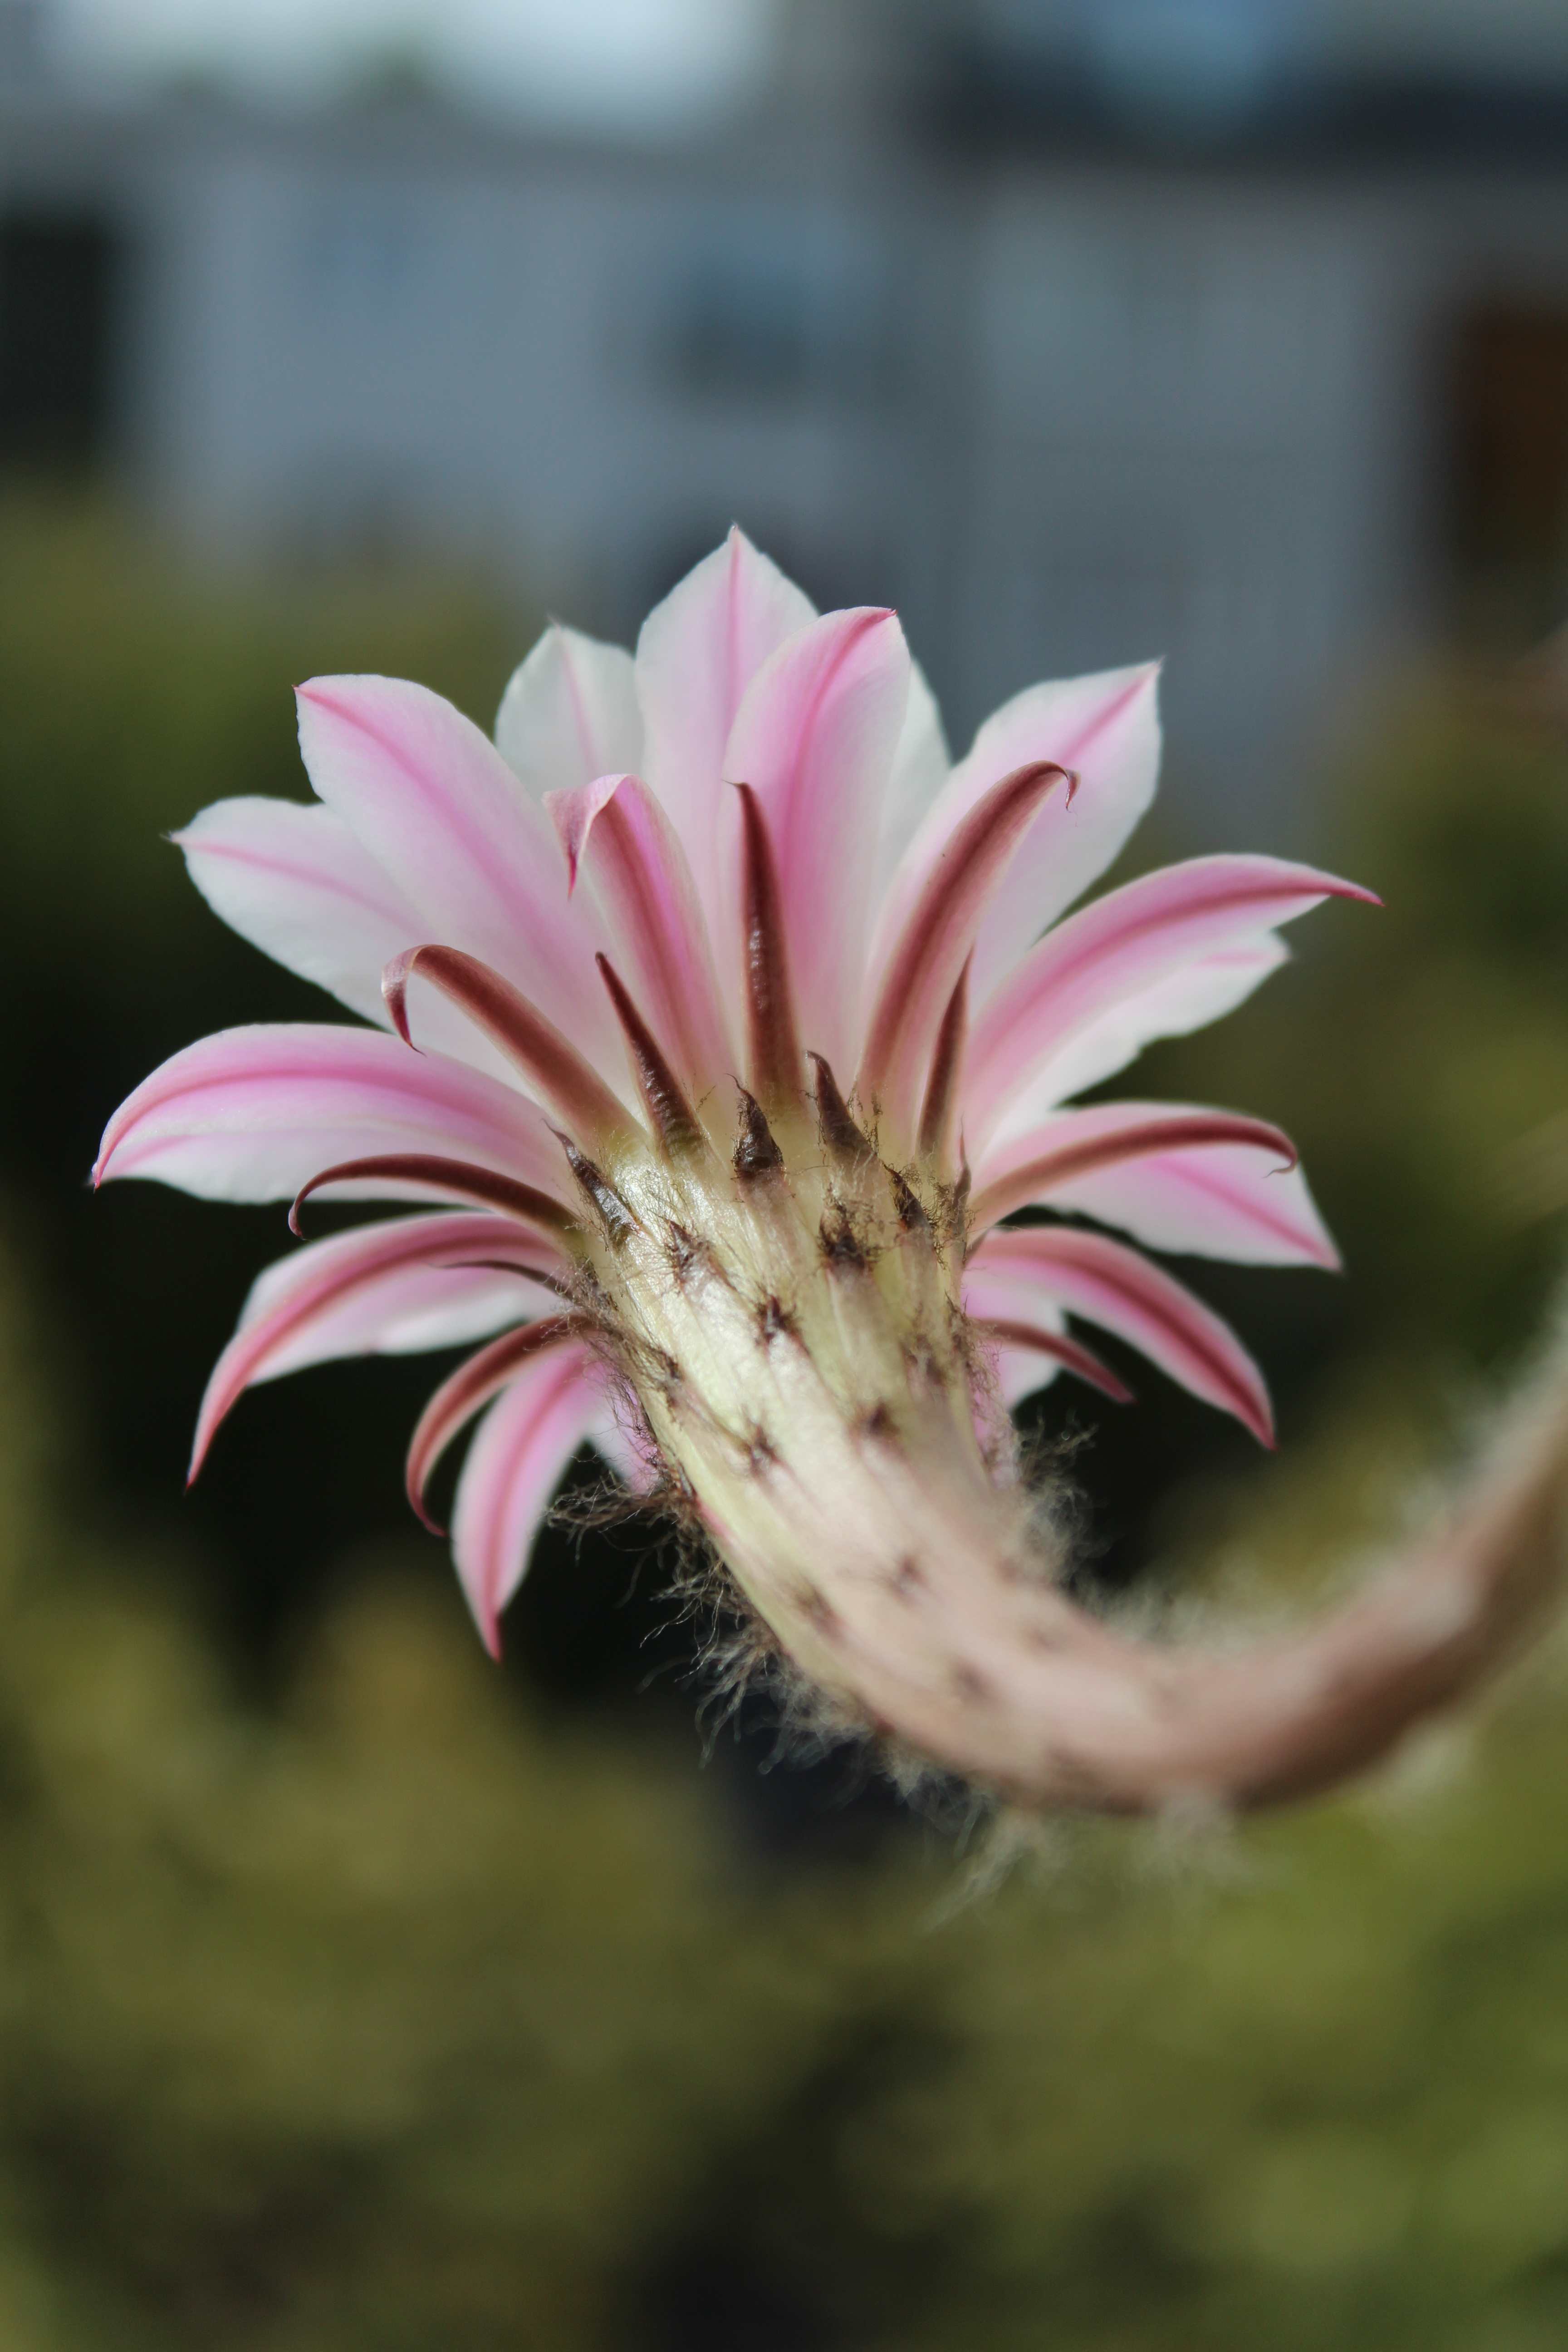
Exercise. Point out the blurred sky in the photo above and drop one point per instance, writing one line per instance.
(589, 59)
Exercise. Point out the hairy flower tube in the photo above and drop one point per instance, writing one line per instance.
(718, 1026)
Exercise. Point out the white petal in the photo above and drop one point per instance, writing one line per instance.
(921, 767)
(697, 653)
(569, 713)
(294, 881)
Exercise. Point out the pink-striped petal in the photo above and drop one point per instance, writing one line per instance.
(1022, 1372)
(467, 1390)
(923, 968)
(1075, 1148)
(253, 1114)
(294, 881)
(697, 653)
(1034, 1335)
(547, 1061)
(1108, 1284)
(1106, 729)
(1173, 1007)
(772, 1056)
(422, 1176)
(386, 1289)
(569, 713)
(615, 829)
(435, 804)
(1234, 1201)
(514, 1465)
(1119, 947)
(572, 813)
(814, 740)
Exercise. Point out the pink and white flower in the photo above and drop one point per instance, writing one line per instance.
(717, 1025)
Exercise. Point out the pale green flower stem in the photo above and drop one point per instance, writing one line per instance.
(791, 1330)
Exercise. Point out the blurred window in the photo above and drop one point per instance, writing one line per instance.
(357, 253)
(57, 283)
(1508, 482)
(1202, 66)
(781, 317)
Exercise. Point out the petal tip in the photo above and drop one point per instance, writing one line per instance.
(1256, 1413)
(559, 810)
(395, 981)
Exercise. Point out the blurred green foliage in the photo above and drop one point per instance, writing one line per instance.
(386, 2002)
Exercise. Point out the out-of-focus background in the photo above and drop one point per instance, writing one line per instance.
(355, 1997)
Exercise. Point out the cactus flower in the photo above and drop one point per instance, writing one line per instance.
(717, 1026)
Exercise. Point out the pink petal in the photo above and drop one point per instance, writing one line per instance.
(929, 954)
(935, 1139)
(418, 1176)
(697, 653)
(569, 713)
(571, 812)
(772, 1056)
(514, 1465)
(1078, 1146)
(1226, 1200)
(470, 1389)
(253, 1114)
(1173, 1007)
(433, 801)
(815, 739)
(1118, 948)
(1106, 729)
(294, 881)
(615, 829)
(1034, 1336)
(386, 1289)
(1118, 1289)
(547, 1062)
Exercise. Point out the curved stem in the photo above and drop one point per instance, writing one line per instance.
(951, 1640)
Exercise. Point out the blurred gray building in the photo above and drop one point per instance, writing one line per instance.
(1233, 330)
